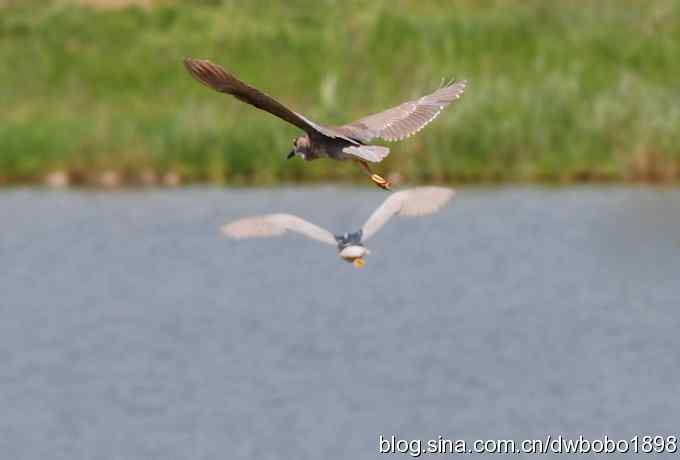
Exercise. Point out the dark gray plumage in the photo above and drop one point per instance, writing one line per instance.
(347, 142)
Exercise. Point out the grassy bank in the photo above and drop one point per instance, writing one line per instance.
(558, 90)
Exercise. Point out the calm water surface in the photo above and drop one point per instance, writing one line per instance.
(129, 329)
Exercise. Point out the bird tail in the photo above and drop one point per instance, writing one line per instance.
(372, 153)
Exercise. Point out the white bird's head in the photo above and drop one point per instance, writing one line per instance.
(354, 254)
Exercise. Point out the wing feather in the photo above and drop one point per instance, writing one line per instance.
(276, 225)
(418, 201)
(215, 77)
(405, 119)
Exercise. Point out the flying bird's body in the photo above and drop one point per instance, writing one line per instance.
(350, 246)
(347, 142)
(309, 150)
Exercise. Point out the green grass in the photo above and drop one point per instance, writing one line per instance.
(563, 90)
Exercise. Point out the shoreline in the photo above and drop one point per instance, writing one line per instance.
(111, 180)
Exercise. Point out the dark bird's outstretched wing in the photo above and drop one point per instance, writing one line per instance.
(406, 119)
(215, 77)
(417, 201)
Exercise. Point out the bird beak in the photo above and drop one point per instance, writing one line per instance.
(358, 263)
(290, 155)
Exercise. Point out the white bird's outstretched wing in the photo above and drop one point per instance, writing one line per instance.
(275, 225)
(413, 202)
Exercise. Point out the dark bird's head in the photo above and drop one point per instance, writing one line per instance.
(301, 147)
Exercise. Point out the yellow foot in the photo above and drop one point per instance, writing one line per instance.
(358, 263)
(381, 181)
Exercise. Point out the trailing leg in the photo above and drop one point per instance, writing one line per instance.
(376, 178)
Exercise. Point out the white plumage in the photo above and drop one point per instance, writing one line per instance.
(418, 201)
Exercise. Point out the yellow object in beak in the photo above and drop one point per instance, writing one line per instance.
(358, 263)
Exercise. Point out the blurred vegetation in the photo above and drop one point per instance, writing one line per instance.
(561, 90)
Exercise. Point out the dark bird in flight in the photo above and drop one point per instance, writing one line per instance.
(347, 142)
(414, 202)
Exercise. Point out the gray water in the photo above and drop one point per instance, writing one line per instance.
(130, 329)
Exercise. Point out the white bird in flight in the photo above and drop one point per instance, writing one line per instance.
(413, 202)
